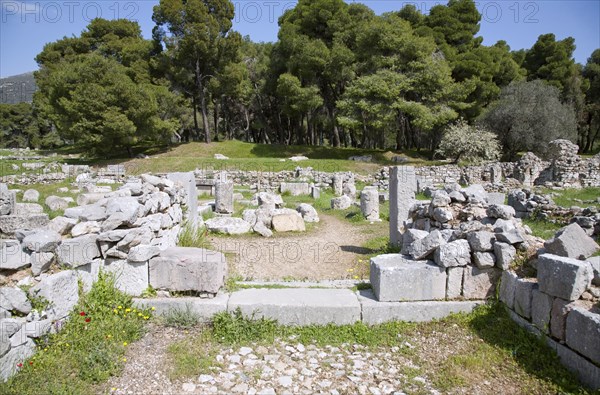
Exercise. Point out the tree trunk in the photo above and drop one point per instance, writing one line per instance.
(196, 129)
(336, 132)
(216, 119)
(200, 84)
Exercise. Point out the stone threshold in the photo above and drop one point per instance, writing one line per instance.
(310, 306)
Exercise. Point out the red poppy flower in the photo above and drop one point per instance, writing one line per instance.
(82, 313)
(88, 319)
(31, 362)
(19, 365)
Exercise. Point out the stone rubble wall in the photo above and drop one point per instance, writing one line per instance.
(131, 232)
(464, 243)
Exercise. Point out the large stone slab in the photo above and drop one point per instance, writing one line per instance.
(12, 255)
(423, 248)
(14, 299)
(563, 277)
(523, 294)
(42, 241)
(397, 278)
(573, 242)
(9, 224)
(295, 188)
(203, 308)
(188, 269)
(583, 333)
(541, 306)
(558, 317)
(480, 283)
(587, 372)
(15, 356)
(403, 185)
(455, 282)
(224, 197)
(188, 182)
(228, 225)
(61, 290)
(375, 312)
(78, 251)
(508, 284)
(298, 306)
(288, 222)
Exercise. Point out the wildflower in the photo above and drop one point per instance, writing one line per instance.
(31, 362)
(146, 317)
(116, 311)
(125, 344)
(140, 314)
(127, 310)
(124, 359)
(19, 365)
(120, 307)
(88, 319)
(153, 308)
(82, 314)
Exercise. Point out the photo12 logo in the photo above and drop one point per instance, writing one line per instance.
(66, 11)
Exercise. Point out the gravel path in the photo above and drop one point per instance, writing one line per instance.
(285, 367)
(330, 250)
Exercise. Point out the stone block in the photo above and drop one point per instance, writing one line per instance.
(9, 224)
(78, 251)
(563, 277)
(423, 248)
(396, 278)
(227, 225)
(203, 308)
(558, 317)
(130, 277)
(42, 241)
(61, 290)
(572, 242)
(341, 203)
(484, 260)
(288, 222)
(369, 203)
(480, 283)
(523, 294)
(12, 255)
(455, 281)
(295, 188)
(508, 284)
(583, 333)
(188, 269)
(224, 197)
(541, 306)
(409, 237)
(298, 306)
(188, 182)
(403, 185)
(456, 253)
(505, 255)
(481, 241)
(375, 312)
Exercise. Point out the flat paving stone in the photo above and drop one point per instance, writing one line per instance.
(298, 306)
(204, 308)
(375, 312)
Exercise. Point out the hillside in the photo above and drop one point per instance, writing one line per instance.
(17, 88)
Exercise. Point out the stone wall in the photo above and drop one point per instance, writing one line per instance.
(131, 232)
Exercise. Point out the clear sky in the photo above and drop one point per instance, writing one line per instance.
(25, 26)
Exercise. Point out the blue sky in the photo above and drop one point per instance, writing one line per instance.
(25, 26)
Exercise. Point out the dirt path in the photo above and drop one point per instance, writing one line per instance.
(331, 250)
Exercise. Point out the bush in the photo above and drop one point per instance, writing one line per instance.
(528, 116)
(462, 141)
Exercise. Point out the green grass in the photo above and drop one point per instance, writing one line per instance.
(190, 237)
(264, 158)
(565, 197)
(542, 228)
(83, 354)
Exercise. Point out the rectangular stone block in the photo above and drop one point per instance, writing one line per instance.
(188, 182)
(455, 282)
(523, 294)
(374, 312)
(298, 306)
(583, 333)
(188, 269)
(203, 308)
(587, 372)
(12, 255)
(78, 251)
(558, 317)
(397, 278)
(508, 284)
(480, 283)
(295, 188)
(11, 223)
(130, 277)
(565, 278)
(541, 306)
(403, 185)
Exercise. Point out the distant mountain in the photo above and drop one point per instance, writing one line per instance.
(17, 88)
